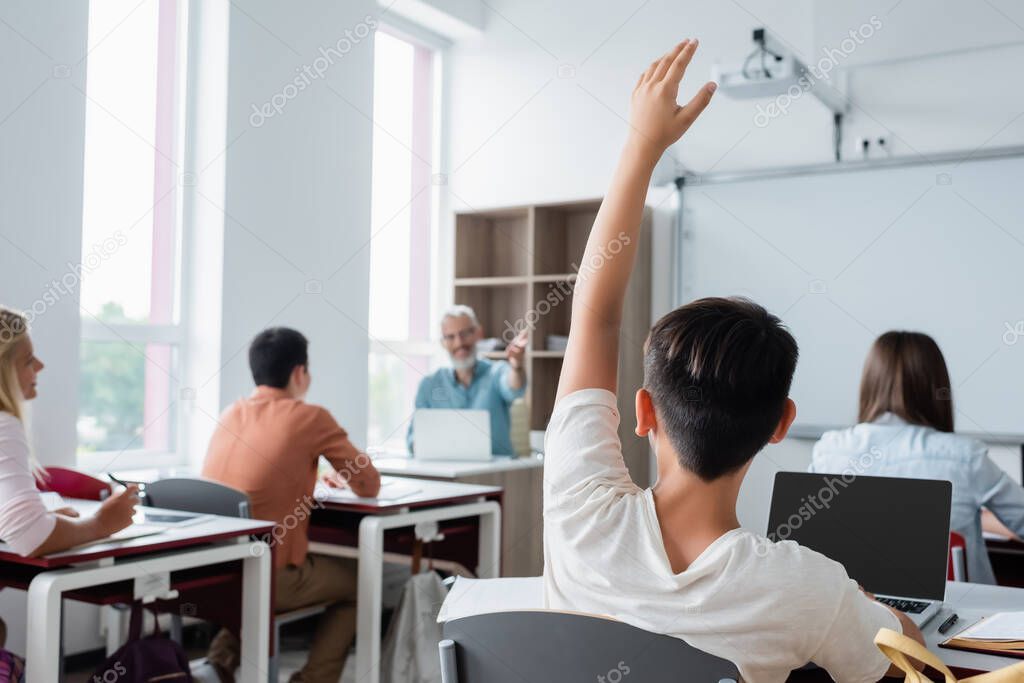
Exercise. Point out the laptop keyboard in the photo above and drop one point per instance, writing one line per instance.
(905, 606)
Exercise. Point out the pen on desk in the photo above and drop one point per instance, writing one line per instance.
(126, 484)
(116, 480)
(948, 624)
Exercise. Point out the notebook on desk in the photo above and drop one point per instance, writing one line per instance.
(391, 489)
(1000, 634)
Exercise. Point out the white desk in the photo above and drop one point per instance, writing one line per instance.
(213, 541)
(431, 503)
(522, 479)
(452, 469)
(971, 602)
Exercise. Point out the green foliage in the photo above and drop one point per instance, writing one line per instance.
(111, 391)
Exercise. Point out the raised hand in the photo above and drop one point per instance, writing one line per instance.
(516, 349)
(655, 117)
(656, 121)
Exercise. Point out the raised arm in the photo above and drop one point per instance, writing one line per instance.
(656, 121)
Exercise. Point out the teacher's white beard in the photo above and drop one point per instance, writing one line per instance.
(464, 363)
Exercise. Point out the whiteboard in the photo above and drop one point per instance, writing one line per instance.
(843, 253)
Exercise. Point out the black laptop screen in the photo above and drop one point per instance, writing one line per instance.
(892, 535)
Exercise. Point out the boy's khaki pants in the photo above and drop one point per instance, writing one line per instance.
(319, 579)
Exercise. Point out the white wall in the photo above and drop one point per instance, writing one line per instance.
(42, 143)
(522, 131)
(935, 77)
(297, 196)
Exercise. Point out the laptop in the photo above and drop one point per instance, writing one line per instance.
(444, 434)
(891, 534)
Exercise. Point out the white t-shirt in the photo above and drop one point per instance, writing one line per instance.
(767, 607)
(24, 520)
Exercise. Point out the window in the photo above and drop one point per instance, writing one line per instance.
(130, 267)
(401, 248)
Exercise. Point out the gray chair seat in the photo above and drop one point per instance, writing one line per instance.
(203, 496)
(560, 647)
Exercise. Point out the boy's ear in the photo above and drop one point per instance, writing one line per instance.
(646, 419)
(788, 415)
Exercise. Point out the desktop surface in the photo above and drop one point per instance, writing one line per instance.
(212, 529)
(397, 464)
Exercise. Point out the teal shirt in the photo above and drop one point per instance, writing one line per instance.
(488, 391)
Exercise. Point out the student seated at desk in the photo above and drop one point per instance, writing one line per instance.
(25, 523)
(268, 445)
(906, 430)
(717, 372)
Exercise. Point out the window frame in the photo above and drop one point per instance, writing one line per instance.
(173, 27)
(427, 348)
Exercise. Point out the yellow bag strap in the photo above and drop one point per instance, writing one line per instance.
(898, 648)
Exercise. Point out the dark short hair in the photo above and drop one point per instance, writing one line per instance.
(274, 353)
(719, 371)
(905, 374)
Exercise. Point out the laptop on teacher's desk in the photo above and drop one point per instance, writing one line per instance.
(891, 534)
(444, 434)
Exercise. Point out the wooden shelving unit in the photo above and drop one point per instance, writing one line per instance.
(509, 262)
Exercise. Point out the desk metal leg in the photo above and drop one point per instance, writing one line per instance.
(42, 649)
(46, 590)
(371, 568)
(489, 554)
(368, 601)
(255, 637)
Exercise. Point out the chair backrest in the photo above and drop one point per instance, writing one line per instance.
(560, 647)
(197, 495)
(957, 566)
(74, 484)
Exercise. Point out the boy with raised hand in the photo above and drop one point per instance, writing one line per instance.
(673, 559)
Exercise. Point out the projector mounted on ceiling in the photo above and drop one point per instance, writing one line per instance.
(772, 70)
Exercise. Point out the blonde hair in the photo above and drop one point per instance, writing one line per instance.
(13, 330)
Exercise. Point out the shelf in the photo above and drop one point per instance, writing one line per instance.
(561, 234)
(518, 266)
(499, 281)
(555, 277)
(497, 244)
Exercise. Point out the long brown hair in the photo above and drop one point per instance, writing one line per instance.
(905, 374)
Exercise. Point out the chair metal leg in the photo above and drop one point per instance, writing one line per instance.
(177, 634)
(274, 663)
(449, 668)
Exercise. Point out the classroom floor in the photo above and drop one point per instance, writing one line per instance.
(294, 638)
(291, 661)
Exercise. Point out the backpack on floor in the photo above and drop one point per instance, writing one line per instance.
(143, 660)
(12, 668)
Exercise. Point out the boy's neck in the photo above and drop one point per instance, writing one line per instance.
(693, 513)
